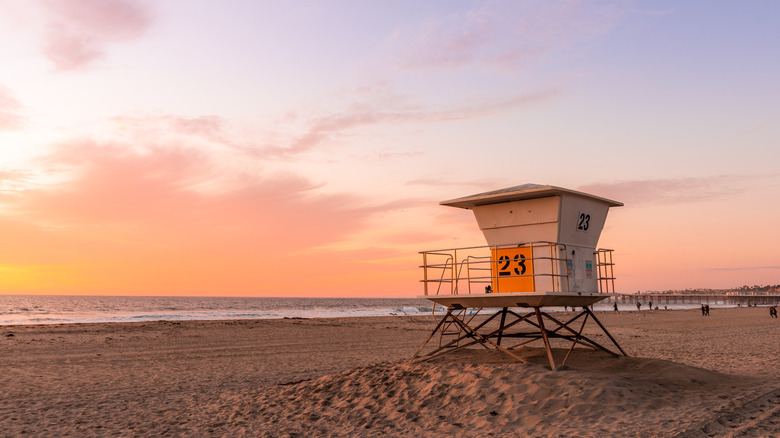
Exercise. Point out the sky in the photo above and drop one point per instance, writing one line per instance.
(301, 148)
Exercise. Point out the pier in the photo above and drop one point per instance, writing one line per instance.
(730, 299)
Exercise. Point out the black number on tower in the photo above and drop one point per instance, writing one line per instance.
(504, 270)
(520, 259)
(584, 222)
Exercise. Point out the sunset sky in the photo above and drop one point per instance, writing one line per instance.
(301, 148)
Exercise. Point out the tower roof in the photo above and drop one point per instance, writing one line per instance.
(517, 193)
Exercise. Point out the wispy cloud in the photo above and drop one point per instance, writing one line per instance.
(748, 268)
(11, 117)
(674, 190)
(206, 127)
(13, 179)
(323, 124)
(508, 35)
(756, 128)
(323, 129)
(80, 31)
(473, 185)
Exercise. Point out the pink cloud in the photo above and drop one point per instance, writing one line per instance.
(10, 111)
(672, 190)
(68, 50)
(80, 31)
(207, 127)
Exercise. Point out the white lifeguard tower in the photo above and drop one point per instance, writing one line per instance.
(541, 252)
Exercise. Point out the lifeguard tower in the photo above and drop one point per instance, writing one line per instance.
(541, 253)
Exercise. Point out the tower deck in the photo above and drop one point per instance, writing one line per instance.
(521, 299)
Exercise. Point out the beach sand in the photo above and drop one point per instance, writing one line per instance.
(687, 375)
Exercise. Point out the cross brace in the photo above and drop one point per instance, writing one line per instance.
(468, 335)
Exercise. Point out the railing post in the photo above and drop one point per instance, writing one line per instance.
(602, 275)
(425, 272)
(454, 288)
(552, 266)
(494, 268)
(566, 260)
(468, 272)
(611, 271)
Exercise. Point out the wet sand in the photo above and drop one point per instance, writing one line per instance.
(687, 375)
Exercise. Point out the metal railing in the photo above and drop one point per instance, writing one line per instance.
(606, 275)
(480, 266)
(478, 269)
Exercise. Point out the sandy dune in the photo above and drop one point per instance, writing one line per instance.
(468, 396)
(687, 376)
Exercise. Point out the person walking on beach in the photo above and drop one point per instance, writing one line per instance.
(773, 312)
(703, 311)
(707, 309)
(616, 307)
(638, 306)
(650, 305)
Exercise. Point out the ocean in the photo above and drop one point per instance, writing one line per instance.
(66, 309)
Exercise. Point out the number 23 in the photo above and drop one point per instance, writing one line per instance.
(584, 222)
(519, 259)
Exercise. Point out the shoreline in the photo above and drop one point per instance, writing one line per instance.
(319, 315)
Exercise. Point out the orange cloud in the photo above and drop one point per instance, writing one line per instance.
(130, 221)
(13, 179)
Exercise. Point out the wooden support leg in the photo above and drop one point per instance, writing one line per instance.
(582, 339)
(473, 335)
(605, 331)
(484, 339)
(574, 343)
(501, 326)
(449, 311)
(546, 341)
(454, 345)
